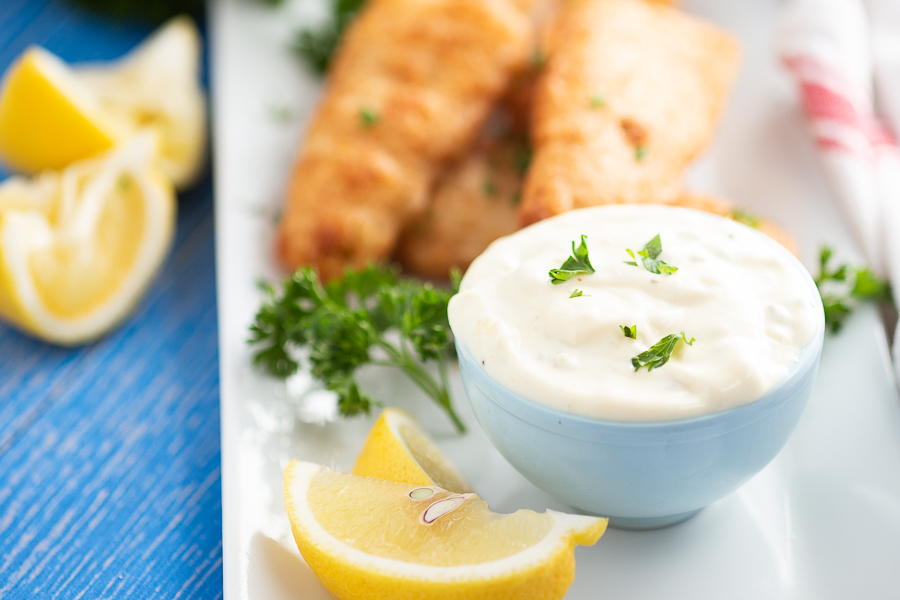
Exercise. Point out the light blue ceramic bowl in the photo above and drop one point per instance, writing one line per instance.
(641, 475)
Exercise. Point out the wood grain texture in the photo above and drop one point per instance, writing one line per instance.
(109, 453)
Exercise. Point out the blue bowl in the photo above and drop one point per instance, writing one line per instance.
(642, 475)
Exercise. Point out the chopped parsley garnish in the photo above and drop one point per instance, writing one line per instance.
(650, 258)
(577, 264)
(281, 114)
(597, 101)
(629, 332)
(369, 317)
(317, 46)
(489, 188)
(577, 293)
(522, 159)
(843, 288)
(368, 117)
(746, 217)
(640, 153)
(659, 353)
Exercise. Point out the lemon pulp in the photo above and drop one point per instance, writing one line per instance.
(77, 248)
(398, 449)
(378, 517)
(74, 278)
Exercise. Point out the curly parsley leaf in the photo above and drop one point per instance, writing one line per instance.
(343, 323)
(659, 353)
(629, 332)
(317, 46)
(843, 288)
(650, 258)
(577, 264)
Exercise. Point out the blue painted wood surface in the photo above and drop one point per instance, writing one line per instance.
(109, 453)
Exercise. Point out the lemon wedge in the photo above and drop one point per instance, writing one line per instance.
(398, 449)
(52, 114)
(157, 85)
(78, 247)
(372, 539)
(47, 119)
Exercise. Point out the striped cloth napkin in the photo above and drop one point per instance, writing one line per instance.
(845, 56)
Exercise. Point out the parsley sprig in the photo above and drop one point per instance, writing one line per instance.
(317, 46)
(659, 353)
(844, 287)
(577, 264)
(347, 323)
(650, 258)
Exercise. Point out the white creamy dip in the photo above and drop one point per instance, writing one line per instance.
(749, 304)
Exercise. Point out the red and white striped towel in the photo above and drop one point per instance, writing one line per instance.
(845, 55)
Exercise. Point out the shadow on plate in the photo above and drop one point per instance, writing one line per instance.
(276, 573)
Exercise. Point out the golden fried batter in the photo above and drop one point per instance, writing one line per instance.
(475, 203)
(631, 93)
(408, 91)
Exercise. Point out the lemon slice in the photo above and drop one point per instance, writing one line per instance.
(397, 449)
(78, 248)
(52, 115)
(369, 539)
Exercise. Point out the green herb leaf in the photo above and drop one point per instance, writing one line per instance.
(650, 258)
(596, 101)
(577, 293)
(843, 288)
(317, 46)
(659, 353)
(629, 332)
(640, 153)
(151, 12)
(368, 117)
(746, 217)
(577, 264)
(343, 323)
(489, 188)
(522, 159)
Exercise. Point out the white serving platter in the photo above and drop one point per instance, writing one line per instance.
(821, 522)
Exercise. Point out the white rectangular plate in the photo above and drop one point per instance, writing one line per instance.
(822, 521)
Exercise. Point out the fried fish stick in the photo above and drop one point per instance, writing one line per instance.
(408, 91)
(475, 203)
(631, 93)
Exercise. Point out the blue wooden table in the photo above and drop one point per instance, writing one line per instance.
(109, 453)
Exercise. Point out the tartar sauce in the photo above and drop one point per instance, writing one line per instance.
(749, 304)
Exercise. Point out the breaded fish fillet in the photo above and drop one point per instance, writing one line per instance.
(631, 93)
(408, 91)
(475, 203)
